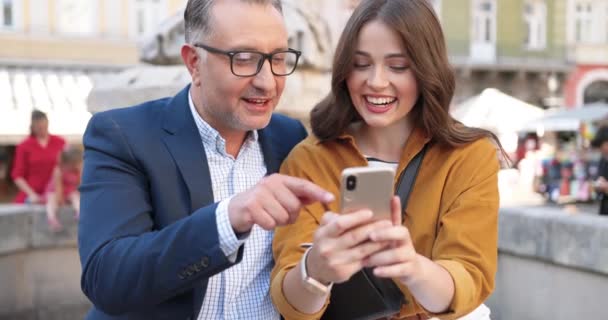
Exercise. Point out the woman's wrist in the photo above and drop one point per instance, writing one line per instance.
(418, 276)
(312, 267)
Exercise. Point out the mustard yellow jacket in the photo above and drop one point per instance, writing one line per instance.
(452, 214)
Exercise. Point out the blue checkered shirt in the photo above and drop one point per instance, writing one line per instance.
(242, 291)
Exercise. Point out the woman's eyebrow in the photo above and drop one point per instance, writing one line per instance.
(390, 55)
(396, 55)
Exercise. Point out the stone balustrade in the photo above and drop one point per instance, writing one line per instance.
(39, 270)
(552, 265)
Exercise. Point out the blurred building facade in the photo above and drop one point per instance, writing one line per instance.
(517, 46)
(314, 27)
(587, 40)
(51, 53)
(50, 50)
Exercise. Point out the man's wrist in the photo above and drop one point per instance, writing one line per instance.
(228, 240)
(239, 226)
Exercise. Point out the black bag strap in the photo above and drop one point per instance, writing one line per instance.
(408, 177)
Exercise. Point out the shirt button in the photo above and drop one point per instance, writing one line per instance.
(204, 262)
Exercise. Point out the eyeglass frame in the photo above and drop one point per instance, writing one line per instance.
(265, 56)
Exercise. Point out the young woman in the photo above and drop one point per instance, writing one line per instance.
(391, 90)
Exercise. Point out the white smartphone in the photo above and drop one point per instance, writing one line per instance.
(367, 188)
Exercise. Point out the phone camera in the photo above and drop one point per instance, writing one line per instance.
(351, 183)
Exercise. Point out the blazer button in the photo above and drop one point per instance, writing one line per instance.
(204, 262)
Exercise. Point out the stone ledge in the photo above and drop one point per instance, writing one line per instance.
(24, 227)
(552, 235)
(544, 233)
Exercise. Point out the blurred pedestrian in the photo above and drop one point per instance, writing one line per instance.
(63, 187)
(600, 141)
(35, 159)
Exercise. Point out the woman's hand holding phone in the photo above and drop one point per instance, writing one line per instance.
(341, 245)
(399, 260)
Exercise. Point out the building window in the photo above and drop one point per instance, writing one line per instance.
(113, 26)
(77, 17)
(9, 14)
(147, 15)
(484, 21)
(583, 22)
(535, 20)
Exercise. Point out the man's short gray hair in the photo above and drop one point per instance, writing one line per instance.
(197, 16)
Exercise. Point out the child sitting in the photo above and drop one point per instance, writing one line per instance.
(64, 186)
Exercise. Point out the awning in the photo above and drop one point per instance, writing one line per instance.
(496, 111)
(568, 119)
(61, 94)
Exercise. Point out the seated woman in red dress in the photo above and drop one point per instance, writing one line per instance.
(35, 159)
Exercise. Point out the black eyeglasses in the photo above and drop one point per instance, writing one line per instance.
(248, 63)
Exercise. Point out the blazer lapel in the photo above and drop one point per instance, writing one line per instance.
(270, 157)
(184, 143)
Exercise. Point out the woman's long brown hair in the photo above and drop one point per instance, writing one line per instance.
(421, 33)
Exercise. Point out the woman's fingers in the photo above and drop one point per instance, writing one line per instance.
(393, 255)
(333, 225)
(357, 254)
(333, 246)
(395, 233)
(396, 211)
(401, 250)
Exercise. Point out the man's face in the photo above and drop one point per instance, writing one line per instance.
(229, 103)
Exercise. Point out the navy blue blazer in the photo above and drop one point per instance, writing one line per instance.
(148, 238)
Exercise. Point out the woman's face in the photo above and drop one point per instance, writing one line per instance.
(382, 85)
(40, 128)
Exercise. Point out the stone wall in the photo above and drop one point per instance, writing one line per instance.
(39, 270)
(552, 265)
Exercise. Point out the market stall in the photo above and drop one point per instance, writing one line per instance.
(560, 161)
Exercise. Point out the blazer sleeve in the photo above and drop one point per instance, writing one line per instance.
(126, 264)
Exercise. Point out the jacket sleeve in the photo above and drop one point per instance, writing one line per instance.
(466, 243)
(287, 239)
(127, 265)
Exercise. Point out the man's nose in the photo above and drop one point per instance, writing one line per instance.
(265, 79)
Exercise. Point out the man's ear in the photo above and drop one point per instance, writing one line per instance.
(191, 60)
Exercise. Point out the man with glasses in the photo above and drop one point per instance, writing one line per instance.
(180, 195)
